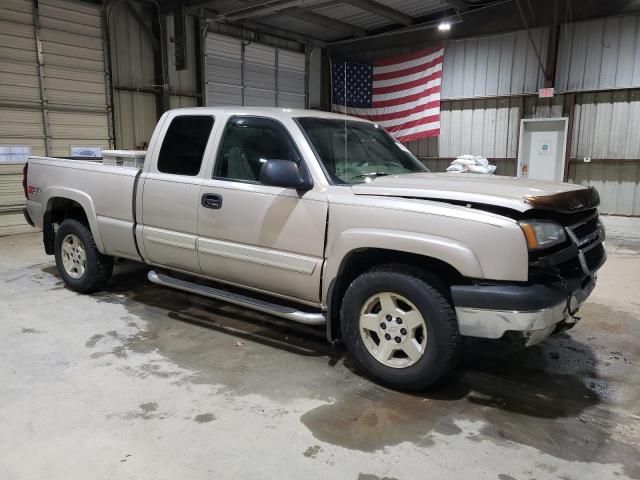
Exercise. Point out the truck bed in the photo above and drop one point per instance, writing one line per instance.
(105, 190)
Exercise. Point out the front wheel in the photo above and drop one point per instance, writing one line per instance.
(400, 329)
(82, 267)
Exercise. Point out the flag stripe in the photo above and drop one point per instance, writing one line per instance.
(386, 114)
(411, 63)
(407, 85)
(379, 77)
(416, 130)
(381, 113)
(431, 132)
(394, 99)
(414, 123)
(425, 72)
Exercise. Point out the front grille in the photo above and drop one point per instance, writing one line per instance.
(594, 257)
(584, 256)
(583, 230)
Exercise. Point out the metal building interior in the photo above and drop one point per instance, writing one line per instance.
(81, 75)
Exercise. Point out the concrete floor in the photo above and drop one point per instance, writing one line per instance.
(141, 382)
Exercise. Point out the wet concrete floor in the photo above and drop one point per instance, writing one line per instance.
(140, 381)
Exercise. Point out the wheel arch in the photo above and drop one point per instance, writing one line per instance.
(68, 203)
(365, 248)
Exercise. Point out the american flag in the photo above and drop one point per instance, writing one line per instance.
(402, 93)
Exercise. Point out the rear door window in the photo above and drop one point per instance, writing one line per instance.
(184, 144)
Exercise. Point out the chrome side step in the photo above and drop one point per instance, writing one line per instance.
(281, 311)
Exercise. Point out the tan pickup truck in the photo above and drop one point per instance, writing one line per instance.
(327, 220)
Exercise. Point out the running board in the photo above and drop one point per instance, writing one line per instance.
(281, 311)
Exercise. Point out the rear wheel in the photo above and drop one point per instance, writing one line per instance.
(82, 267)
(400, 329)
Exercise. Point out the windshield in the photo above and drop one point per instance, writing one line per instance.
(355, 152)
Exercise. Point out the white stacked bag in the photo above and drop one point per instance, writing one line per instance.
(471, 164)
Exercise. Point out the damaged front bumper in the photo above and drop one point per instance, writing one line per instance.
(532, 311)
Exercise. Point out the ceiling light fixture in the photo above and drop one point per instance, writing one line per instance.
(444, 25)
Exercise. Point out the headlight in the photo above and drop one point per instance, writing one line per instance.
(540, 234)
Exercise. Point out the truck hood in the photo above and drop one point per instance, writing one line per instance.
(518, 194)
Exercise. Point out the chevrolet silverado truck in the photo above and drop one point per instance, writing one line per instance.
(325, 219)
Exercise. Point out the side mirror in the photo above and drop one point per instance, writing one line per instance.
(283, 173)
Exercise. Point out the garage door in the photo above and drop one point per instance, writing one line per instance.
(53, 90)
(253, 74)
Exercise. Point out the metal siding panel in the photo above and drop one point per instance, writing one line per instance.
(602, 131)
(506, 64)
(223, 70)
(132, 51)
(260, 76)
(457, 89)
(627, 187)
(468, 68)
(626, 51)
(578, 57)
(19, 82)
(466, 125)
(17, 11)
(288, 100)
(135, 119)
(182, 80)
(519, 67)
(610, 52)
(500, 129)
(636, 57)
(179, 101)
(79, 126)
(599, 54)
(619, 125)
(512, 135)
(75, 74)
(291, 72)
(564, 56)
(259, 98)
(20, 124)
(290, 82)
(481, 66)
(609, 191)
(448, 69)
(632, 141)
(493, 66)
(477, 126)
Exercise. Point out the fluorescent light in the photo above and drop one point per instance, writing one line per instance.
(444, 26)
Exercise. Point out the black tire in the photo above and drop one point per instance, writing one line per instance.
(443, 344)
(98, 268)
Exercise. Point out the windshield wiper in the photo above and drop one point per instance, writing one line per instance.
(372, 174)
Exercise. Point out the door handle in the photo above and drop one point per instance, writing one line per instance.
(211, 200)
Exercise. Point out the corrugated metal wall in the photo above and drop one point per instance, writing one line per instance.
(53, 88)
(606, 130)
(136, 88)
(21, 121)
(599, 54)
(240, 72)
(74, 68)
(504, 64)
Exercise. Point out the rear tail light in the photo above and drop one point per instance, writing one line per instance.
(25, 169)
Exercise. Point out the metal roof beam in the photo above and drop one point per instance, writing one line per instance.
(330, 23)
(282, 33)
(270, 8)
(383, 11)
(460, 5)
